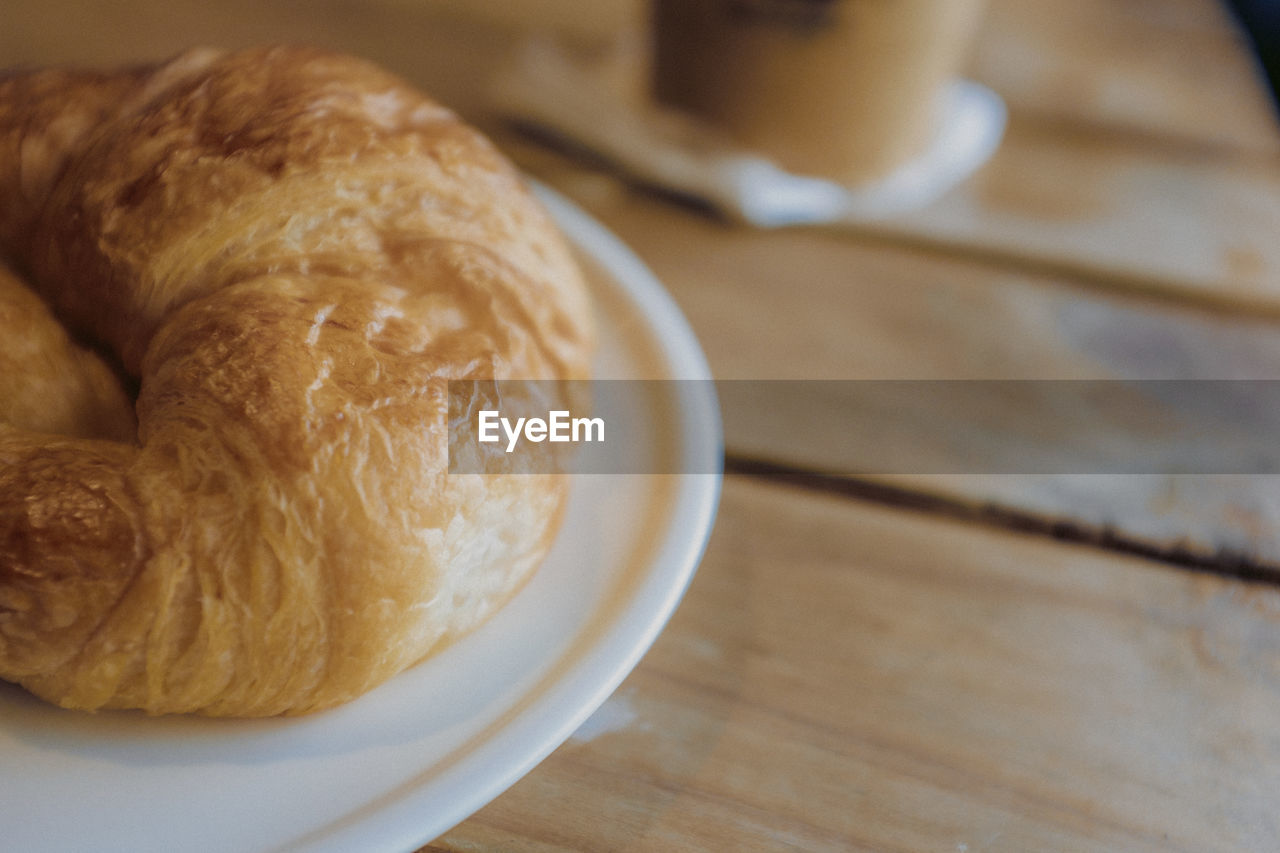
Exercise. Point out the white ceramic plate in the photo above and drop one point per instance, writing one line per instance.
(409, 760)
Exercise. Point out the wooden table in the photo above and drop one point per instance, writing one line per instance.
(916, 663)
(972, 663)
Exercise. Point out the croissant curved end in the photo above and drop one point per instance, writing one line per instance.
(246, 279)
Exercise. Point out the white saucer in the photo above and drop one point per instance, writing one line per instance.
(403, 764)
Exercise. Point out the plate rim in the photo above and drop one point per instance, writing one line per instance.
(398, 823)
(605, 635)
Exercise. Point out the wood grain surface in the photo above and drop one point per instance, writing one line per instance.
(844, 676)
(871, 310)
(847, 677)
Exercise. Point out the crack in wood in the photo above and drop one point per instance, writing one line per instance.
(1224, 563)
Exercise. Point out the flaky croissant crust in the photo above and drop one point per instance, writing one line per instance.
(288, 252)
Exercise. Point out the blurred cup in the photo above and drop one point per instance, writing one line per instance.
(845, 89)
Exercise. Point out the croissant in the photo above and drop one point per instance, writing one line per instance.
(277, 258)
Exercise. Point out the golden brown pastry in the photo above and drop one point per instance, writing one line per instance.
(47, 382)
(287, 253)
